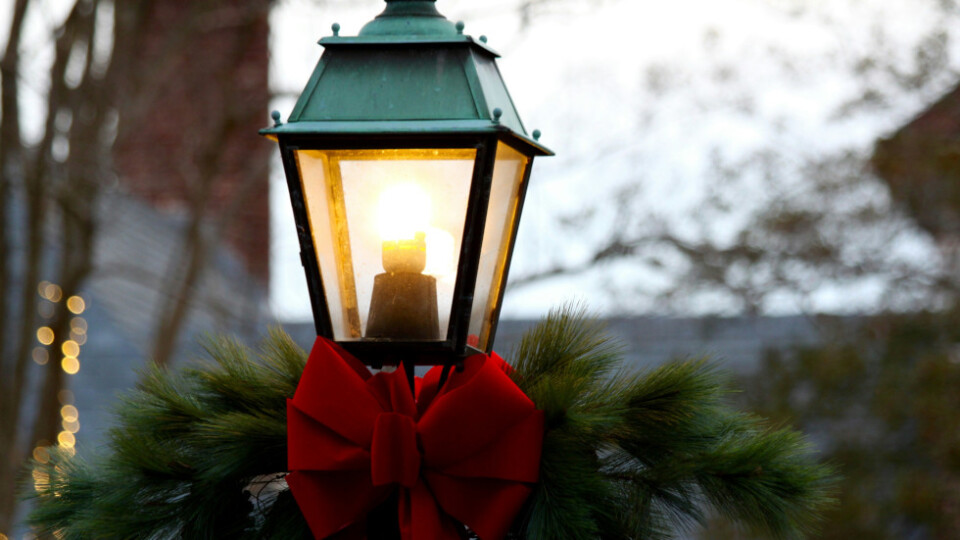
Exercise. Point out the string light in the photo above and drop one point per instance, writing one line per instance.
(78, 325)
(70, 348)
(45, 309)
(41, 454)
(45, 335)
(71, 427)
(69, 413)
(76, 305)
(41, 480)
(40, 356)
(66, 439)
(70, 365)
(52, 292)
(71, 419)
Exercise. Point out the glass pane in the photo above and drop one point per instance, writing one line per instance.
(387, 226)
(501, 214)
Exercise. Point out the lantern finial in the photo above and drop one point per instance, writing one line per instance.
(410, 18)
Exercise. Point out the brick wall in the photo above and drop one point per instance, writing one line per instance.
(188, 142)
(921, 164)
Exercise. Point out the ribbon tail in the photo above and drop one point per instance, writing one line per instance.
(421, 518)
(488, 506)
(333, 501)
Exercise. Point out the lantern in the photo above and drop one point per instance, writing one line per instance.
(407, 166)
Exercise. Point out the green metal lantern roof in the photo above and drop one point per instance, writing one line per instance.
(410, 70)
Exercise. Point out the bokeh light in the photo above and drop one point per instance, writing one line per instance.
(70, 348)
(70, 365)
(45, 335)
(41, 454)
(76, 305)
(69, 413)
(40, 356)
(52, 292)
(66, 439)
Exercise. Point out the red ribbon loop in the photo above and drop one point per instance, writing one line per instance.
(467, 452)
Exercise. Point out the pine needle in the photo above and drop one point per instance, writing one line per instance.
(201, 452)
(648, 455)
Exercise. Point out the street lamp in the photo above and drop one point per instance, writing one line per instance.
(407, 165)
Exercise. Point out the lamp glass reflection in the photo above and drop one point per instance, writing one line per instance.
(503, 210)
(387, 227)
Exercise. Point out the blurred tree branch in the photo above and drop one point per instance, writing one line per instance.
(778, 225)
(49, 190)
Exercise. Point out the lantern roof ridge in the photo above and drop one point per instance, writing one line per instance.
(409, 70)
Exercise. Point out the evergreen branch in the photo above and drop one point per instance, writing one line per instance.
(646, 455)
(188, 453)
(201, 453)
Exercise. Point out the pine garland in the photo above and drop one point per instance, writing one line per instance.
(201, 452)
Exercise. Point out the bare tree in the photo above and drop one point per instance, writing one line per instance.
(53, 182)
(49, 190)
(804, 221)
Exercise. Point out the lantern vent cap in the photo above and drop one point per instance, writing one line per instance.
(410, 18)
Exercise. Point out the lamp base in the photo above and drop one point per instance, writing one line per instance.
(403, 306)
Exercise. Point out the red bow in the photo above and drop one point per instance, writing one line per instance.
(466, 452)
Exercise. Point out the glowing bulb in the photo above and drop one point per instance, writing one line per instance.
(78, 325)
(53, 292)
(40, 356)
(66, 439)
(41, 454)
(404, 210)
(69, 413)
(41, 480)
(45, 309)
(71, 426)
(440, 256)
(70, 348)
(45, 335)
(76, 305)
(70, 365)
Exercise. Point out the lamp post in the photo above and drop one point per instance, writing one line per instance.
(407, 165)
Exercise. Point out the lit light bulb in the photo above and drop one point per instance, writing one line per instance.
(440, 247)
(403, 302)
(404, 216)
(410, 244)
(404, 211)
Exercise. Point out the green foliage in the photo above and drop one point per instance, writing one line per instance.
(200, 453)
(883, 399)
(644, 455)
(196, 454)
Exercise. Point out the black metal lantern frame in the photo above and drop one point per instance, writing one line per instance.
(455, 343)
(410, 81)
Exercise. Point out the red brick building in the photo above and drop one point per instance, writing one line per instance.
(188, 142)
(921, 164)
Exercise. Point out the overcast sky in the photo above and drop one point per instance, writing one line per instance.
(628, 93)
(641, 93)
